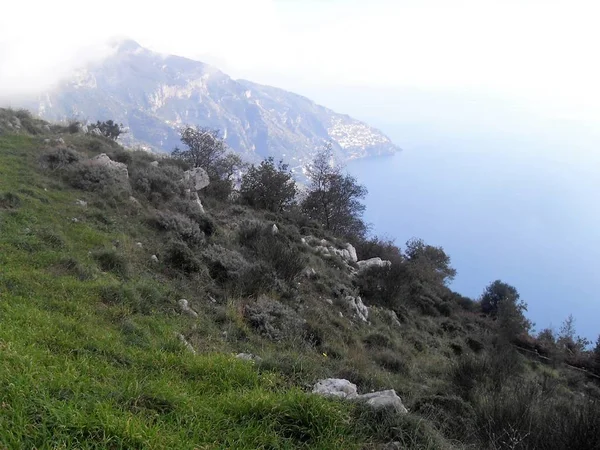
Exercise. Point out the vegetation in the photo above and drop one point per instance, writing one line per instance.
(268, 186)
(96, 347)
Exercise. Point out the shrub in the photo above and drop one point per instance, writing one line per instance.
(110, 260)
(181, 226)
(268, 186)
(191, 209)
(59, 158)
(157, 183)
(97, 178)
(451, 415)
(224, 264)
(378, 340)
(180, 257)
(391, 361)
(273, 319)
(282, 255)
(8, 200)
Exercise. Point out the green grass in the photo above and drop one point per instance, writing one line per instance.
(77, 371)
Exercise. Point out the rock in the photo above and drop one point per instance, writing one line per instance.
(356, 305)
(47, 141)
(75, 220)
(185, 307)
(16, 122)
(154, 258)
(274, 230)
(340, 314)
(187, 345)
(310, 272)
(95, 132)
(81, 203)
(373, 262)
(392, 446)
(154, 163)
(390, 317)
(340, 388)
(198, 202)
(248, 357)
(134, 200)
(139, 245)
(384, 400)
(46, 127)
(197, 178)
(335, 387)
(303, 240)
(103, 160)
(61, 142)
(351, 252)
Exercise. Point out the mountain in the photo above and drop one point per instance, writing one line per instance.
(154, 94)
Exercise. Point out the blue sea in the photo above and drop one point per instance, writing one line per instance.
(519, 203)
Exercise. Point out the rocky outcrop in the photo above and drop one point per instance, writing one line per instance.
(102, 160)
(326, 248)
(344, 389)
(357, 307)
(373, 262)
(196, 178)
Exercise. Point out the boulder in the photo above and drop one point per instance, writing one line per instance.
(344, 389)
(274, 230)
(357, 307)
(82, 203)
(197, 178)
(185, 308)
(335, 387)
(373, 262)
(154, 258)
(387, 400)
(154, 163)
(103, 160)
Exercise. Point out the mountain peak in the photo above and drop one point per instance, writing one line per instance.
(154, 95)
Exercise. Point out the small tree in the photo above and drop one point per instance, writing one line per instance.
(268, 186)
(205, 147)
(597, 350)
(109, 129)
(497, 293)
(428, 262)
(334, 198)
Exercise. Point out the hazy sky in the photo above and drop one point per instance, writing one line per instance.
(544, 51)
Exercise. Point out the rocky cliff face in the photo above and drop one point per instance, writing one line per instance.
(154, 94)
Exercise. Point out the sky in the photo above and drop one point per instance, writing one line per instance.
(542, 52)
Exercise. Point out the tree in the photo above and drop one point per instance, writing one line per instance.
(597, 350)
(429, 262)
(495, 294)
(333, 197)
(568, 339)
(502, 301)
(268, 186)
(205, 147)
(109, 129)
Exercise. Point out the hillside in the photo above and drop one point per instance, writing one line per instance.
(123, 307)
(154, 94)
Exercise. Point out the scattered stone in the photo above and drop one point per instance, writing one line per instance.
(154, 258)
(303, 240)
(75, 220)
(335, 387)
(274, 230)
(134, 200)
(46, 127)
(248, 357)
(310, 272)
(104, 161)
(340, 314)
(391, 317)
(187, 345)
(185, 307)
(329, 301)
(352, 256)
(197, 178)
(139, 245)
(154, 163)
(82, 203)
(392, 446)
(96, 132)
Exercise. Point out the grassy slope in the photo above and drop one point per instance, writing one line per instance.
(75, 372)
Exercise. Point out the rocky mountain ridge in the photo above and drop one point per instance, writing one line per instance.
(153, 95)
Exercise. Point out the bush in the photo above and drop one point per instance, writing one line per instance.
(191, 209)
(158, 184)
(110, 260)
(8, 200)
(273, 319)
(451, 415)
(180, 257)
(224, 265)
(97, 178)
(282, 255)
(181, 226)
(391, 361)
(268, 186)
(59, 158)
